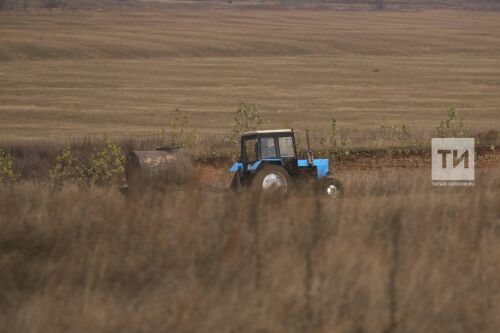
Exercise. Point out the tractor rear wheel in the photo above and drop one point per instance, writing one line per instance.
(272, 178)
(331, 187)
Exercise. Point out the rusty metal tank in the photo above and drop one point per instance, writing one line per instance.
(160, 167)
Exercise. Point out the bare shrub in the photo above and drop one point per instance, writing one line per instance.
(394, 132)
(178, 132)
(336, 146)
(247, 118)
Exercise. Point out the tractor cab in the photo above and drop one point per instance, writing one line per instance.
(269, 159)
(277, 145)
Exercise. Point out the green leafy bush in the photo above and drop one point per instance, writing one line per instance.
(106, 165)
(7, 173)
(452, 126)
(66, 167)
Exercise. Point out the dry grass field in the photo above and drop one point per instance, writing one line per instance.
(394, 255)
(67, 73)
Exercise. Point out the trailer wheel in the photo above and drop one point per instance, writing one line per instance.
(332, 187)
(272, 178)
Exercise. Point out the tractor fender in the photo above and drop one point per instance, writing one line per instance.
(235, 167)
(321, 164)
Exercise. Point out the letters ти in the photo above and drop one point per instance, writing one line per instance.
(464, 156)
(443, 153)
(456, 160)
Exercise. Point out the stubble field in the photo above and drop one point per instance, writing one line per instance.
(123, 72)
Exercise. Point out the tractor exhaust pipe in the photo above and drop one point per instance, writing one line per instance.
(310, 157)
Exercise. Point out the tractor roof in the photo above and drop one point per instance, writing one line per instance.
(268, 132)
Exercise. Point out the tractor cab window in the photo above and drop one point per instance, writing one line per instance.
(267, 147)
(286, 146)
(249, 150)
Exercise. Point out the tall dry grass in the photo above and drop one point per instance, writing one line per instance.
(394, 255)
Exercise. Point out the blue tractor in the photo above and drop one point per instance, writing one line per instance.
(269, 162)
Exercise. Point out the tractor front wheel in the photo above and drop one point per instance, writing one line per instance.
(331, 187)
(272, 178)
